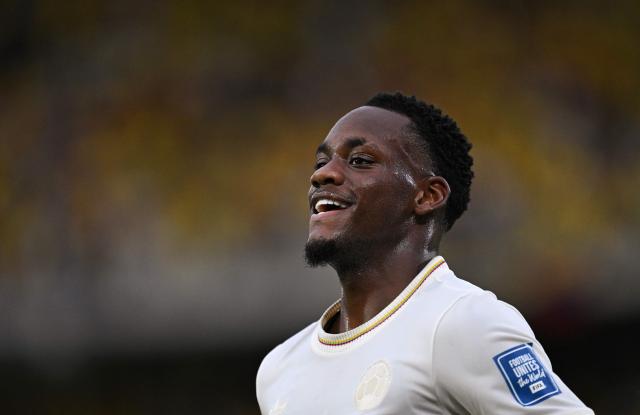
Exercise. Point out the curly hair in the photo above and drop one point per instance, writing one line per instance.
(446, 146)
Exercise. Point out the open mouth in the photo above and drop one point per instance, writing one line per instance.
(328, 205)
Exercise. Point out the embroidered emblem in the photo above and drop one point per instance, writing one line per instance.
(527, 379)
(278, 408)
(374, 386)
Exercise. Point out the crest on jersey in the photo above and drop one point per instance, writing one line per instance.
(525, 375)
(374, 386)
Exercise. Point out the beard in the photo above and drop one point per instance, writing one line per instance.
(320, 252)
(342, 254)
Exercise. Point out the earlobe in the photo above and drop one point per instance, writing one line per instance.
(433, 194)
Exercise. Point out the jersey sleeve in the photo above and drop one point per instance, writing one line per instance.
(486, 360)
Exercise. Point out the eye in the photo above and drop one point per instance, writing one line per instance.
(359, 160)
(319, 164)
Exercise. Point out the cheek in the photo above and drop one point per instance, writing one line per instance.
(387, 199)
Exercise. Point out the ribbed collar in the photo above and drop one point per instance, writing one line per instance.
(333, 342)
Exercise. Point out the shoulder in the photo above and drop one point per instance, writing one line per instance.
(469, 307)
(286, 347)
(272, 363)
(476, 327)
(479, 314)
(485, 356)
(443, 290)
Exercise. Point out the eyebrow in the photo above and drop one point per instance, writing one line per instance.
(350, 143)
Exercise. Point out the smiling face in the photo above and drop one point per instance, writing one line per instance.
(364, 184)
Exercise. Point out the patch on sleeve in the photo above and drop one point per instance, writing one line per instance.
(527, 379)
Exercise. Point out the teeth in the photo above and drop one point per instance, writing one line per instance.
(324, 202)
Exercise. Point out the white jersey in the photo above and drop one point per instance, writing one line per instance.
(443, 346)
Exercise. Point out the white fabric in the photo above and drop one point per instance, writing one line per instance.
(433, 355)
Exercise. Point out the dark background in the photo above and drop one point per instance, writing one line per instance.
(154, 162)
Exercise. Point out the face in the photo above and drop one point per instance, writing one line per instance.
(364, 184)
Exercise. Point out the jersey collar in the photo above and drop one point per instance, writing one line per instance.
(333, 341)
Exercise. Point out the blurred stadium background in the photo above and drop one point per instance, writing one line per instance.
(154, 163)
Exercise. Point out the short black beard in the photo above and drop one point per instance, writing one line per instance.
(341, 254)
(320, 252)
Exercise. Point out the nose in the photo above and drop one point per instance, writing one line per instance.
(330, 173)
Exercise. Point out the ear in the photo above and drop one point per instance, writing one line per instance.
(433, 193)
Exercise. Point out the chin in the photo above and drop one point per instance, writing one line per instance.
(342, 253)
(320, 251)
(317, 234)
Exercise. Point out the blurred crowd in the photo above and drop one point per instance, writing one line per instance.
(154, 163)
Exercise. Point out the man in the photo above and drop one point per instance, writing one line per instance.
(407, 336)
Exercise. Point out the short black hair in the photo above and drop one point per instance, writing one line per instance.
(446, 146)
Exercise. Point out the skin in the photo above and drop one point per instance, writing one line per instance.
(395, 202)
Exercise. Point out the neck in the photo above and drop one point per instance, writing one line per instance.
(380, 278)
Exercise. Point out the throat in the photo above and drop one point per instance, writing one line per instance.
(365, 294)
(333, 324)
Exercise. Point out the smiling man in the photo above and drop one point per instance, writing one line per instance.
(407, 336)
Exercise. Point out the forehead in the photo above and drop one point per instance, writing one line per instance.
(376, 125)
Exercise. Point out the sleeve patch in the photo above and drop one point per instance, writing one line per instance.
(527, 379)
